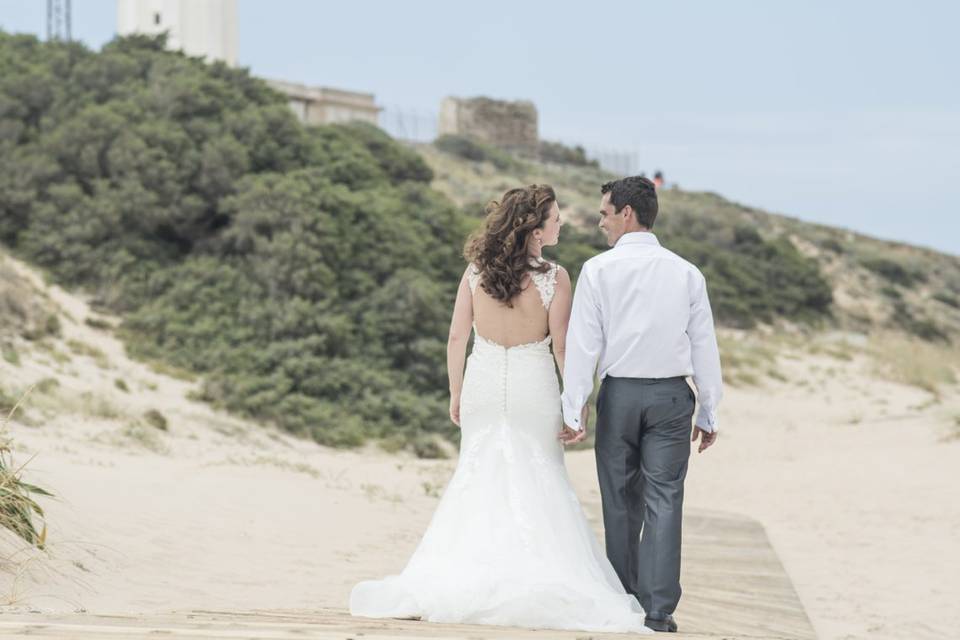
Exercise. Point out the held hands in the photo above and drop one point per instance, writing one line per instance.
(706, 440)
(571, 436)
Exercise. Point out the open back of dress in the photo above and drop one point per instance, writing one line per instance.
(525, 322)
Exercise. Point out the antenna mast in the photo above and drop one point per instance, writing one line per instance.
(58, 20)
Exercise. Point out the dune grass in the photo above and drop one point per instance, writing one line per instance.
(10, 354)
(954, 433)
(134, 434)
(915, 362)
(98, 323)
(18, 508)
(747, 362)
(145, 436)
(83, 349)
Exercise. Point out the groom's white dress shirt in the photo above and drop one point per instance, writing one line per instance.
(643, 312)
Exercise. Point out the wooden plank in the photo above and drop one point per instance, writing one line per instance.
(735, 588)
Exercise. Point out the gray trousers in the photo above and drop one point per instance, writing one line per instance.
(642, 446)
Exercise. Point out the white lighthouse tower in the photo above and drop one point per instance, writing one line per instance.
(200, 27)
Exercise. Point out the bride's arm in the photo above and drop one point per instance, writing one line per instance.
(559, 316)
(460, 326)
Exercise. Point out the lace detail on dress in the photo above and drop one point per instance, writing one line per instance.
(546, 284)
(473, 277)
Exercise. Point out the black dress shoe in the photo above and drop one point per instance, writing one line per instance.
(667, 624)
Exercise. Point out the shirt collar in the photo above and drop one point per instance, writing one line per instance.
(638, 237)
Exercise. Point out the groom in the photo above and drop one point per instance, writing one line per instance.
(643, 312)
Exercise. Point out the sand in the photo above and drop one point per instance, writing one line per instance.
(854, 479)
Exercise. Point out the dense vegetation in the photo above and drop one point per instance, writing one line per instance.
(750, 280)
(469, 149)
(306, 274)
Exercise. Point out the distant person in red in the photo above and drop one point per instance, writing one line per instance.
(658, 179)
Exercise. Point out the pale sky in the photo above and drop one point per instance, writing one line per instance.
(843, 112)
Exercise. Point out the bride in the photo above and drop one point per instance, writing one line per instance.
(509, 543)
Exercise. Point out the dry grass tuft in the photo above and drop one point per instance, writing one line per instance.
(98, 407)
(137, 433)
(47, 385)
(98, 323)
(10, 354)
(746, 361)
(375, 492)
(955, 433)
(171, 371)
(84, 349)
(915, 362)
(17, 505)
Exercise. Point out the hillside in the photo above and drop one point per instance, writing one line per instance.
(305, 275)
(874, 284)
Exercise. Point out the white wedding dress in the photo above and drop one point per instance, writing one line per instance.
(509, 543)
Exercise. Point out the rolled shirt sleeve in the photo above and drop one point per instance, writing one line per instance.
(584, 343)
(705, 354)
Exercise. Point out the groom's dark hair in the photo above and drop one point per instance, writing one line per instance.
(636, 191)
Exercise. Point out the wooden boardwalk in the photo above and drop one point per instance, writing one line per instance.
(734, 588)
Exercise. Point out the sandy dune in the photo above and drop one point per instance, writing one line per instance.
(854, 480)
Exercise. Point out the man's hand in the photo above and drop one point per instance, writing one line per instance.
(572, 436)
(707, 438)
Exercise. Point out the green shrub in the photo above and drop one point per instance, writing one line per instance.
(156, 419)
(10, 354)
(893, 271)
(470, 149)
(891, 292)
(427, 447)
(562, 154)
(47, 385)
(947, 299)
(923, 328)
(83, 349)
(753, 279)
(834, 245)
(7, 402)
(98, 323)
(50, 327)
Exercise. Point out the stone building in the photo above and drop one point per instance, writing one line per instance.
(508, 125)
(205, 28)
(323, 105)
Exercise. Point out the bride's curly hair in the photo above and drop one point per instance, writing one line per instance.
(501, 249)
